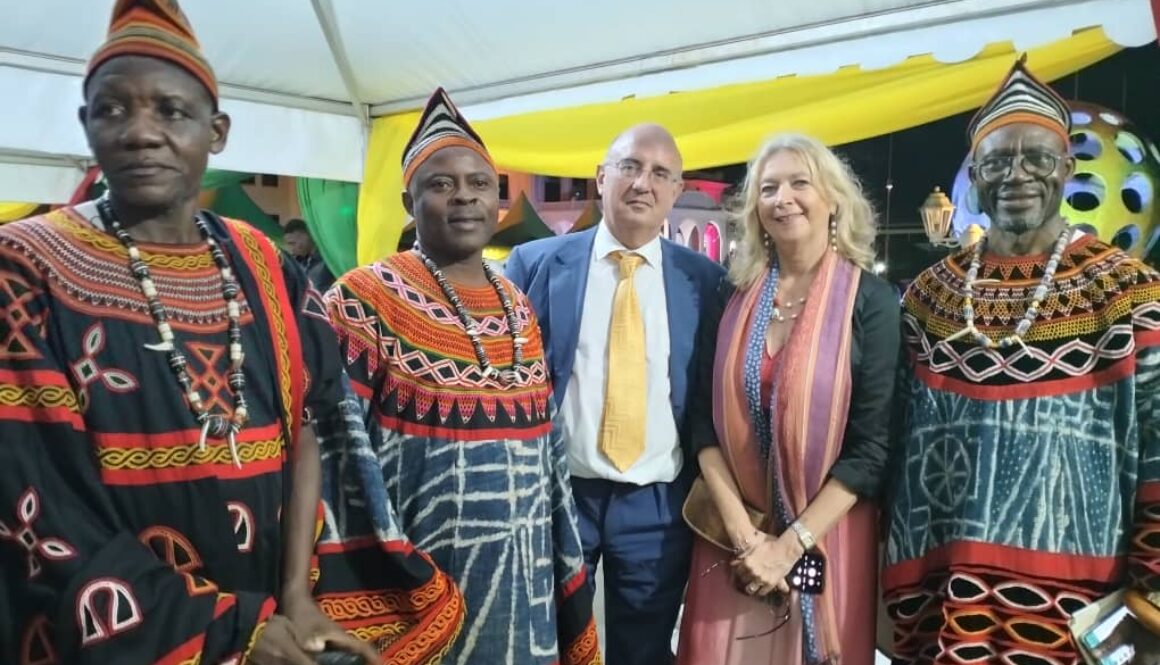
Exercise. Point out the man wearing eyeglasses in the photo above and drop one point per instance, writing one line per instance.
(629, 319)
(1028, 469)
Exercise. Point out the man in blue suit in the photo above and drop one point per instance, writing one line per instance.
(592, 291)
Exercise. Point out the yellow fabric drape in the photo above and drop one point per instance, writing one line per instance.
(721, 125)
(10, 211)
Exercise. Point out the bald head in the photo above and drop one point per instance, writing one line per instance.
(639, 182)
(648, 133)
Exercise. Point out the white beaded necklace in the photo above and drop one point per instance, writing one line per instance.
(788, 305)
(1037, 297)
(212, 425)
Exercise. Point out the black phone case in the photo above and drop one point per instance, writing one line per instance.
(808, 575)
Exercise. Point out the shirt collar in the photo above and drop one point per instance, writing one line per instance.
(605, 244)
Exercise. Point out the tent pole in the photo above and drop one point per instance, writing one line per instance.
(324, 11)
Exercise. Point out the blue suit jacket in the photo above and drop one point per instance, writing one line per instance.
(554, 274)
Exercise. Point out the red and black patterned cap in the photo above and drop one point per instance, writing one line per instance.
(155, 29)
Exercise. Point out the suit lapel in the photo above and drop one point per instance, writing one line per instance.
(682, 304)
(567, 279)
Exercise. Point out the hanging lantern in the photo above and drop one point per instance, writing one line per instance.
(936, 213)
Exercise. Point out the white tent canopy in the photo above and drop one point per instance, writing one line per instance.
(301, 78)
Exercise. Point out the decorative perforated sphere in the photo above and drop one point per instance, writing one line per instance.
(1117, 174)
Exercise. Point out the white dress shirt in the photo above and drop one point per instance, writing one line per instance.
(583, 405)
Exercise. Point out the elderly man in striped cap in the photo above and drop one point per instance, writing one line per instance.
(447, 357)
(157, 368)
(1028, 469)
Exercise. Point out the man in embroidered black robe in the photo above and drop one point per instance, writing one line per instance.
(137, 526)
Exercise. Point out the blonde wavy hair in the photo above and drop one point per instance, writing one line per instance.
(836, 182)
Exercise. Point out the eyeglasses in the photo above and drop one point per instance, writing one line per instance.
(631, 169)
(1036, 164)
(777, 602)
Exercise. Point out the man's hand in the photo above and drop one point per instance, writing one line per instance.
(277, 645)
(316, 632)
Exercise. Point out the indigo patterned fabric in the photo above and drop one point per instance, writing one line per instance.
(475, 468)
(1029, 478)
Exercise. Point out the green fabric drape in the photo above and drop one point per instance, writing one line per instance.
(330, 209)
(216, 179)
(233, 201)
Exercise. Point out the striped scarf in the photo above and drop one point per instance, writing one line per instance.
(799, 433)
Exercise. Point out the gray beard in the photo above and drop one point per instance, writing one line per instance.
(1019, 226)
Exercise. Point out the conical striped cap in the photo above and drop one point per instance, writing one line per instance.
(156, 29)
(440, 126)
(1021, 98)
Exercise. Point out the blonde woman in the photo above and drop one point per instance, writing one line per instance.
(803, 379)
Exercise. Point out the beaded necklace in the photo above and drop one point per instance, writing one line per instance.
(507, 376)
(1024, 325)
(782, 318)
(217, 426)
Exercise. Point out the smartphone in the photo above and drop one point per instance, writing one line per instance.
(808, 575)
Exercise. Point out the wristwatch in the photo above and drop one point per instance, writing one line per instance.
(804, 536)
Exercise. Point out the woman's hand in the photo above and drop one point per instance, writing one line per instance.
(763, 568)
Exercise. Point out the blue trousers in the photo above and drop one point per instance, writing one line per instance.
(646, 547)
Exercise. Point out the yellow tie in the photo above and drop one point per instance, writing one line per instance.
(622, 431)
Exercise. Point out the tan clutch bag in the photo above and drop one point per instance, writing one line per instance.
(701, 515)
